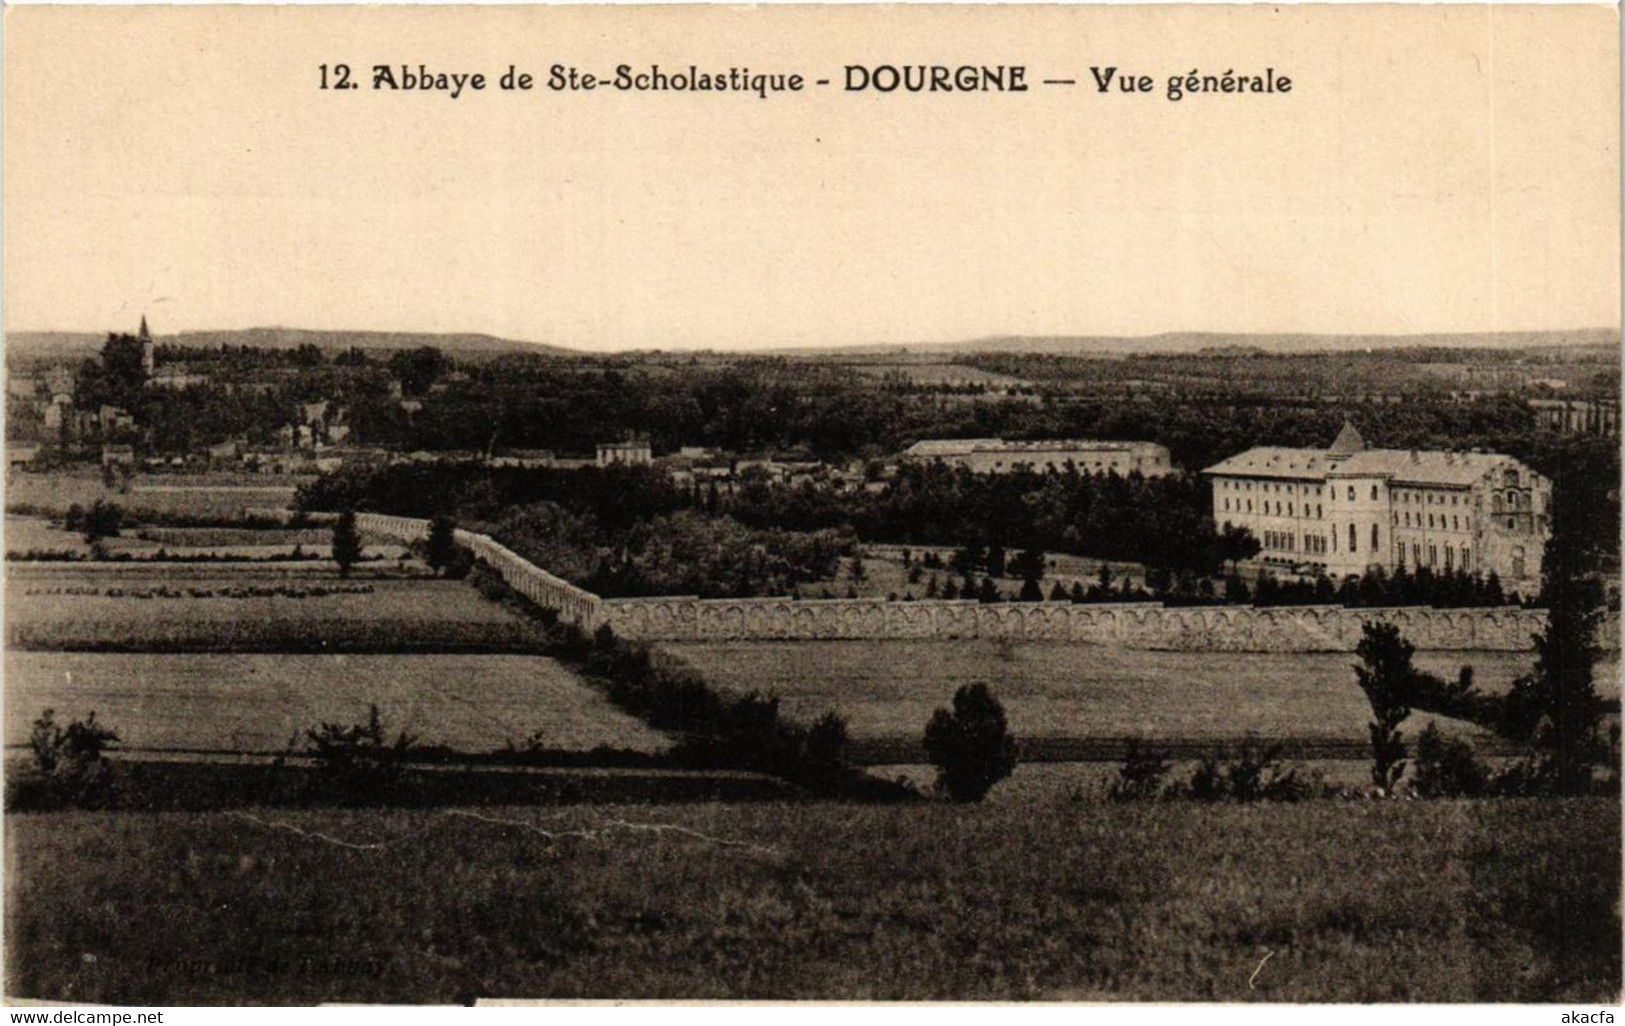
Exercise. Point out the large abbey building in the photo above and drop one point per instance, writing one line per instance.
(1347, 508)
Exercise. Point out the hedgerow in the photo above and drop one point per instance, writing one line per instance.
(716, 729)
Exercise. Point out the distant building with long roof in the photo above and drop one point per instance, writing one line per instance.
(1001, 456)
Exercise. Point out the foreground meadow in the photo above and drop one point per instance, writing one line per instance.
(257, 702)
(1056, 691)
(1322, 901)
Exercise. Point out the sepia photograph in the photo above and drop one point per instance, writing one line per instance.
(884, 504)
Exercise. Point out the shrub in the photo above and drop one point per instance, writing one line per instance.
(826, 751)
(358, 764)
(103, 520)
(1140, 778)
(346, 543)
(971, 746)
(442, 544)
(1446, 767)
(533, 746)
(1256, 774)
(71, 760)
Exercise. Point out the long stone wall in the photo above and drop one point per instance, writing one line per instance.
(574, 605)
(1149, 625)
(1138, 625)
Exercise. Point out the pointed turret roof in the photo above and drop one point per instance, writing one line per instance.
(144, 332)
(1348, 441)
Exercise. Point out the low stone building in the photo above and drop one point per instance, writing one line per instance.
(998, 456)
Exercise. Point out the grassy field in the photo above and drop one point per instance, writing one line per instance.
(1325, 901)
(36, 534)
(1054, 690)
(255, 703)
(169, 608)
(187, 494)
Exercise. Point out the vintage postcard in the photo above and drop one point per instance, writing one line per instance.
(883, 504)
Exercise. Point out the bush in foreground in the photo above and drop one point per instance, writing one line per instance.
(70, 763)
(1140, 778)
(1446, 767)
(971, 746)
(358, 764)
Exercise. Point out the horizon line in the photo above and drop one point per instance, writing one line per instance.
(770, 348)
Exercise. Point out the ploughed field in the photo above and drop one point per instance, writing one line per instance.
(258, 702)
(1055, 693)
(270, 608)
(1318, 901)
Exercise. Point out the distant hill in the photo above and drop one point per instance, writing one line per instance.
(75, 344)
(1218, 343)
(55, 345)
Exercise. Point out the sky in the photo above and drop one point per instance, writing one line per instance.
(1434, 169)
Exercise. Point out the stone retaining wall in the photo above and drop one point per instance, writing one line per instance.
(1137, 625)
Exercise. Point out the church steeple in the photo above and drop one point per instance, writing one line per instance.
(1348, 441)
(149, 355)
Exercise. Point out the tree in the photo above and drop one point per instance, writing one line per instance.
(103, 520)
(418, 368)
(971, 746)
(1236, 544)
(967, 558)
(122, 368)
(442, 542)
(1557, 705)
(1030, 563)
(1386, 678)
(346, 543)
(826, 752)
(1031, 590)
(995, 561)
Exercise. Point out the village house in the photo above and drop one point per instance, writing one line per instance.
(634, 452)
(1347, 508)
